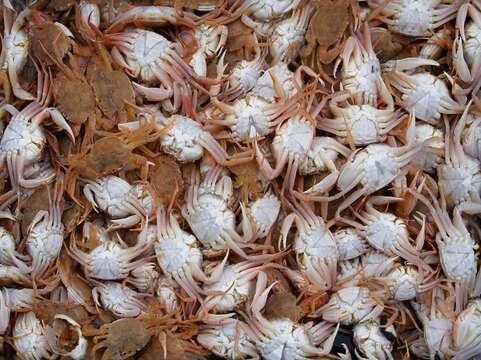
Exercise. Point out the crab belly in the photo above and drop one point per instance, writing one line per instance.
(472, 46)
(265, 212)
(458, 183)
(210, 220)
(379, 169)
(317, 243)
(148, 50)
(173, 255)
(364, 128)
(19, 138)
(295, 138)
(251, 124)
(383, 235)
(363, 78)
(458, 261)
(181, 142)
(235, 290)
(284, 345)
(414, 18)
(425, 102)
(104, 265)
(44, 244)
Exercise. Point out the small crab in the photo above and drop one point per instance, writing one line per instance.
(23, 140)
(359, 124)
(466, 329)
(288, 35)
(255, 13)
(351, 243)
(429, 159)
(268, 85)
(351, 305)
(406, 282)
(228, 338)
(126, 204)
(151, 58)
(210, 42)
(314, 245)
(179, 256)
(371, 341)
(29, 337)
(423, 94)
(415, 17)
(119, 299)
(46, 234)
(207, 212)
(108, 261)
(283, 338)
(361, 71)
(460, 176)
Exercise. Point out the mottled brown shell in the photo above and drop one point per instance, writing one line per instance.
(48, 43)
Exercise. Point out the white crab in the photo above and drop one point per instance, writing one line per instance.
(423, 94)
(314, 245)
(210, 42)
(251, 117)
(289, 35)
(29, 337)
(183, 138)
(282, 338)
(23, 140)
(406, 282)
(228, 338)
(359, 124)
(265, 11)
(471, 136)
(45, 236)
(373, 167)
(109, 260)
(151, 58)
(374, 263)
(466, 328)
(268, 86)
(8, 253)
(416, 17)
(371, 341)
(460, 177)
(179, 256)
(351, 305)
(165, 293)
(429, 159)
(144, 277)
(126, 204)
(351, 243)
(260, 216)
(361, 71)
(119, 299)
(79, 348)
(388, 233)
(207, 212)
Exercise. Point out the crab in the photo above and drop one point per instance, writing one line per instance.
(361, 71)
(415, 17)
(282, 338)
(8, 253)
(29, 337)
(371, 341)
(471, 136)
(62, 325)
(268, 84)
(456, 247)
(184, 138)
(228, 338)
(151, 58)
(15, 50)
(351, 305)
(126, 204)
(406, 282)
(359, 124)
(460, 176)
(243, 77)
(351, 243)
(429, 159)
(288, 35)
(388, 233)
(252, 118)
(46, 234)
(210, 42)
(109, 260)
(261, 214)
(119, 299)
(373, 167)
(423, 94)
(144, 277)
(23, 140)
(315, 247)
(321, 157)
(179, 256)
(465, 331)
(208, 215)
(466, 46)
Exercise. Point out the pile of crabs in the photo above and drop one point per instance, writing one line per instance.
(240, 179)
